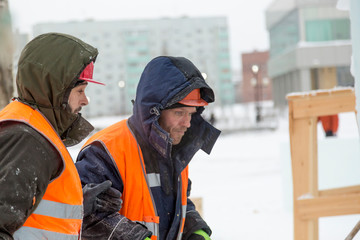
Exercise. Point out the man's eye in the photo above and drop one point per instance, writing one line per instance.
(178, 113)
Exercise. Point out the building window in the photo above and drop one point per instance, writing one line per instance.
(345, 79)
(284, 35)
(327, 30)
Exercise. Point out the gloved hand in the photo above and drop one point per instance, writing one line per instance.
(101, 197)
(109, 201)
(199, 235)
(147, 238)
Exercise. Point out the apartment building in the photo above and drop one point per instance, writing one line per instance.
(126, 46)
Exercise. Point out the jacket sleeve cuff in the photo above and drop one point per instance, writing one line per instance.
(127, 229)
(194, 222)
(114, 226)
(5, 236)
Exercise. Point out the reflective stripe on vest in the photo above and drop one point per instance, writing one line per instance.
(138, 202)
(153, 179)
(30, 233)
(184, 181)
(153, 227)
(60, 211)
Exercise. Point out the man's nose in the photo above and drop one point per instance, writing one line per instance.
(84, 100)
(187, 120)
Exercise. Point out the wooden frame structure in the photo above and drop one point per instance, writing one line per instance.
(309, 202)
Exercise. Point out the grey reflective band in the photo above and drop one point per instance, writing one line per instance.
(153, 227)
(153, 179)
(179, 236)
(30, 233)
(183, 215)
(59, 210)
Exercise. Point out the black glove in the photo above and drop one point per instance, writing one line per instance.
(109, 201)
(199, 235)
(196, 237)
(101, 198)
(113, 226)
(193, 223)
(127, 229)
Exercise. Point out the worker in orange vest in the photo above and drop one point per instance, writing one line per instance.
(41, 196)
(330, 124)
(147, 157)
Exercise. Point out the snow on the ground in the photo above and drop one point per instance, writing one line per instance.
(245, 183)
(240, 183)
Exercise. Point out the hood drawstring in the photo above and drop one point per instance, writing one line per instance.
(155, 111)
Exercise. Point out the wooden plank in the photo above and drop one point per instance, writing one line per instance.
(339, 191)
(303, 144)
(198, 202)
(304, 156)
(306, 229)
(335, 205)
(321, 106)
(318, 93)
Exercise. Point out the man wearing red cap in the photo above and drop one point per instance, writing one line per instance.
(146, 157)
(41, 195)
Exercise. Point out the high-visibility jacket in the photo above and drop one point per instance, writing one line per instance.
(60, 212)
(138, 202)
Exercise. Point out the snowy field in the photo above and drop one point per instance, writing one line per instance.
(246, 187)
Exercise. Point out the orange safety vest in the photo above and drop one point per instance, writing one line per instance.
(138, 203)
(60, 212)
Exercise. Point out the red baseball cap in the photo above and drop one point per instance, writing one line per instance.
(194, 99)
(87, 74)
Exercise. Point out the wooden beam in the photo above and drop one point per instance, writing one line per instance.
(335, 205)
(319, 93)
(338, 191)
(198, 202)
(304, 170)
(306, 229)
(323, 103)
(304, 156)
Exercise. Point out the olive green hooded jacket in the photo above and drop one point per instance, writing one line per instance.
(48, 68)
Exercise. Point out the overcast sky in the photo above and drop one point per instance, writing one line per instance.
(246, 19)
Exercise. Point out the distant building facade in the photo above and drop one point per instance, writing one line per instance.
(255, 88)
(20, 40)
(310, 47)
(126, 46)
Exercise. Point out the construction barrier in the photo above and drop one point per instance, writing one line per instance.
(310, 203)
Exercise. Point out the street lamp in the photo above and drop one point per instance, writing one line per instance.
(257, 85)
(255, 69)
